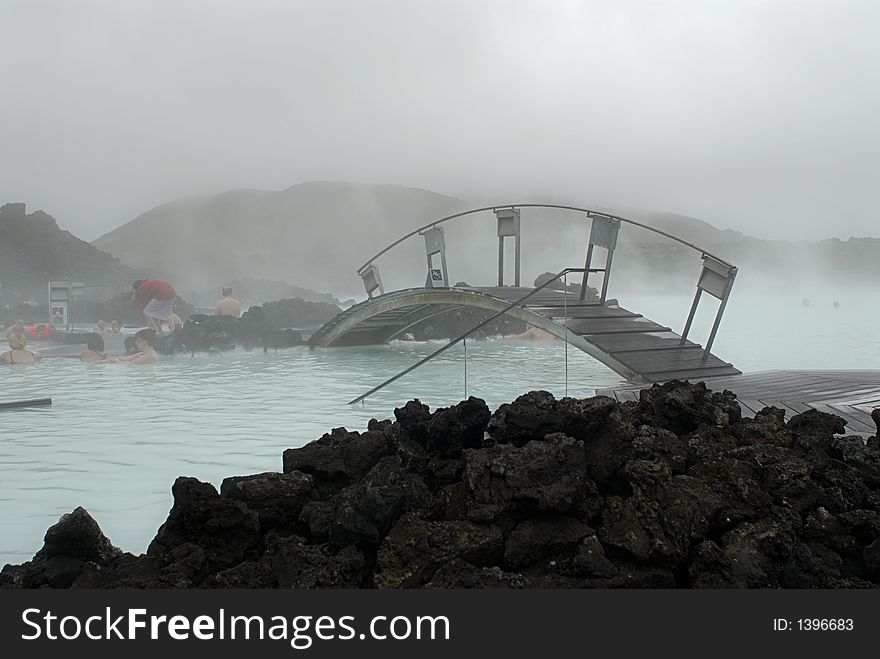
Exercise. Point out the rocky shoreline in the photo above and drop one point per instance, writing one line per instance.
(675, 490)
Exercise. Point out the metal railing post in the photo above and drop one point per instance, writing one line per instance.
(500, 260)
(516, 261)
(690, 318)
(586, 271)
(718, 315)
(508, 226)
(606, 275)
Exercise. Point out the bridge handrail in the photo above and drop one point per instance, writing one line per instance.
(589, 212)
(460, 338)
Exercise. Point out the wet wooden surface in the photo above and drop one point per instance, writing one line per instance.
(850, 394)
(652, 351)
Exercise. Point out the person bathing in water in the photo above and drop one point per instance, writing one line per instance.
(18, 352)
(94, 349)
(156, 299)
(534, 334)
(143, 345)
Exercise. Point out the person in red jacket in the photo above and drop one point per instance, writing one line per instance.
(156, 299)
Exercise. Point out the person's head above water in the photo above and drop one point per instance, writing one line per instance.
(227, 291)
(137, 283)
(17, 341)
(95, 342)
(146, 336)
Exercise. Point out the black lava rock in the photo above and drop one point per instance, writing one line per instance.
(673, 490)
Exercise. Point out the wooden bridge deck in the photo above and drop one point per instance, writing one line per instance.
(650, 349)
(848, 394)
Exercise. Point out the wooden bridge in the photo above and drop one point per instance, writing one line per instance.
(636, 347)
(625, 341)
(641, 350)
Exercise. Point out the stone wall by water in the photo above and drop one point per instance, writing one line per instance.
(675, 490)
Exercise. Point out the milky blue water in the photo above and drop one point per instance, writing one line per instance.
(117, 436)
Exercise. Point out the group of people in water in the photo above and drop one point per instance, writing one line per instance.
(154, 297)
(143, 349)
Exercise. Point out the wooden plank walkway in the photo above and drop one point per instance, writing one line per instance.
(650, 349)
(848, 394)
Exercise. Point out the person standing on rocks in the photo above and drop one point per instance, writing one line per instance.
(228, 306)
(174, 322)
(155, 298)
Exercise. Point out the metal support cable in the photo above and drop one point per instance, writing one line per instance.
(464, 341)
(565, 313)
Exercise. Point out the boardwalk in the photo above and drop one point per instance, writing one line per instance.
(633, 346)
(849, 394)
(648, 349)
(640, 350)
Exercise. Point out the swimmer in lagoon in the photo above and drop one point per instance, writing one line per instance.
(534, 334)
(94, 349)
(18, 352)
(144, 353)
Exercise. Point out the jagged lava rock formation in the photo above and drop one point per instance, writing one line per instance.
(674, 490)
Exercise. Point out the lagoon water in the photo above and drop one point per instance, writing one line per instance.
(117, 436)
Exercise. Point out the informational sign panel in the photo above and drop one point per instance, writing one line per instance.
(434, 241)
(508, 222)
(715, 277)
(604, 232)
(436, 279)
(59, 298)
(372, 281)
(59, 314)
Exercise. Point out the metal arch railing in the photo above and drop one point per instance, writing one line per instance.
(590, 212)
(716, 277)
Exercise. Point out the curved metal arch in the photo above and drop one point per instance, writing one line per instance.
(588, 211)
(465, 298)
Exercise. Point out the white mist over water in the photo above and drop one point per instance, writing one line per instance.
(765, 332)
(117, 436)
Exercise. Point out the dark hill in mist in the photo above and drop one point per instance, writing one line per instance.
(34, 251)
(317, 234)
(313, 235)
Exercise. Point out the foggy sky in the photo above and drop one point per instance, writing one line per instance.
(758, 116)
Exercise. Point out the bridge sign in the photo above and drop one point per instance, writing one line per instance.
(436, 279)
